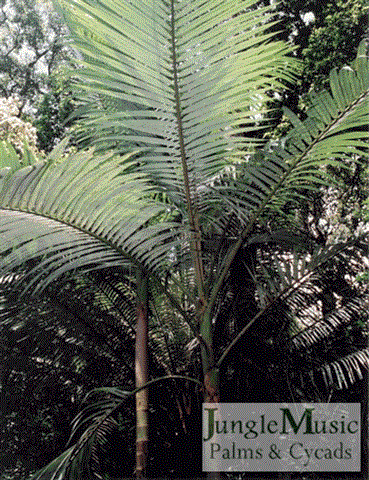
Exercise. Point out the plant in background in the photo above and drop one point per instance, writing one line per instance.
(178, 89)
(13, 129)
(31, 48)
(54, 111)
(336, 35)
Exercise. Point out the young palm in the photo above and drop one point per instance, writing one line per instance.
(178, 89)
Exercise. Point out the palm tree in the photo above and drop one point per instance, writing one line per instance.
(178, 90)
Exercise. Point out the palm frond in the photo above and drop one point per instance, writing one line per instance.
(56, 469)
(346, 371)
(95, 422)
(185, 93)
(84, 212)
(69, 329)
(325, 336)
(280, 170)
(278, 173)
(113, 292)
(170, 332)
(323, 328)
(90, 427)
(290, 281)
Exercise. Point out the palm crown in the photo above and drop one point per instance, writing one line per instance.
(179, 89)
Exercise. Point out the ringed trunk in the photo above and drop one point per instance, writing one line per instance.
(141, 372)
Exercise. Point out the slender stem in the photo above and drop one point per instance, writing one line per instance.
(141, 369)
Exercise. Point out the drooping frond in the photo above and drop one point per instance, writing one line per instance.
(293, 278)
(321, 329)
(114, 293)
(69, 329)
(89, 430)
(84, 212)
(346, 371)
(327, 314)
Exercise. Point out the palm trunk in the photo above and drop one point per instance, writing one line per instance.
(211, 395)
(210, 372)
(141, 368)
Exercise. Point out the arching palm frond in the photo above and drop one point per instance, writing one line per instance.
(176, 99)
(186, 95)
(90, 428)
(84, 212)
(319, 330)
(334, 128)
(334, 347)
(188, 126)
(291, 278)
(92, 425)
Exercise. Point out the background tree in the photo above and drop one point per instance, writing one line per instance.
(54, 111)
(33, 50)
(14, 130)
(326, 33)
(336, 32)
(32, 45)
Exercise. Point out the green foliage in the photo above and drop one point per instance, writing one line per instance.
(326, 33)
(11, 160)
(179, 88)
(33, 53)
(53, 112)
(334, 39)
(31, 46)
